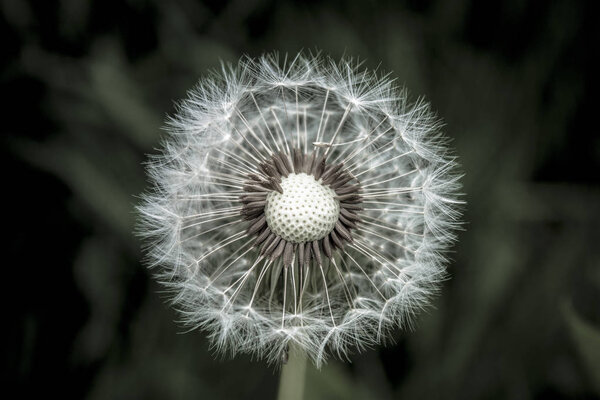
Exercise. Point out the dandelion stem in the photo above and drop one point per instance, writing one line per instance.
(293, 375)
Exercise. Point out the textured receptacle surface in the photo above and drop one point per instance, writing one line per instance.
(305, 211)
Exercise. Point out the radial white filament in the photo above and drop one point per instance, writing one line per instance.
(306, 204)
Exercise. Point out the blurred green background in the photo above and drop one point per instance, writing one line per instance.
(86, 86)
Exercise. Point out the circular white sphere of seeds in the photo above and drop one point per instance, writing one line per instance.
(306, 211)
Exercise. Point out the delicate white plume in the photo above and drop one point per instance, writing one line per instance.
(198, 242)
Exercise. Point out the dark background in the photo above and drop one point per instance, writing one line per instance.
(86, 86)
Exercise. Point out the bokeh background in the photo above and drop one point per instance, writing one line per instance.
(86, 85)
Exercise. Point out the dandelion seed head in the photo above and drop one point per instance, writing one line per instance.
(300, 200)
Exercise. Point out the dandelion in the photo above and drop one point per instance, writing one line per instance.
(300, 203)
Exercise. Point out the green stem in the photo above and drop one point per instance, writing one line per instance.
(293, 374)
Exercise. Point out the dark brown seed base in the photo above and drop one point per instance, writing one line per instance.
(254, 200)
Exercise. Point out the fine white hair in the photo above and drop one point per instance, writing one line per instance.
(197, 239)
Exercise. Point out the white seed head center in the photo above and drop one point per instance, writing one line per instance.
(306, 211)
